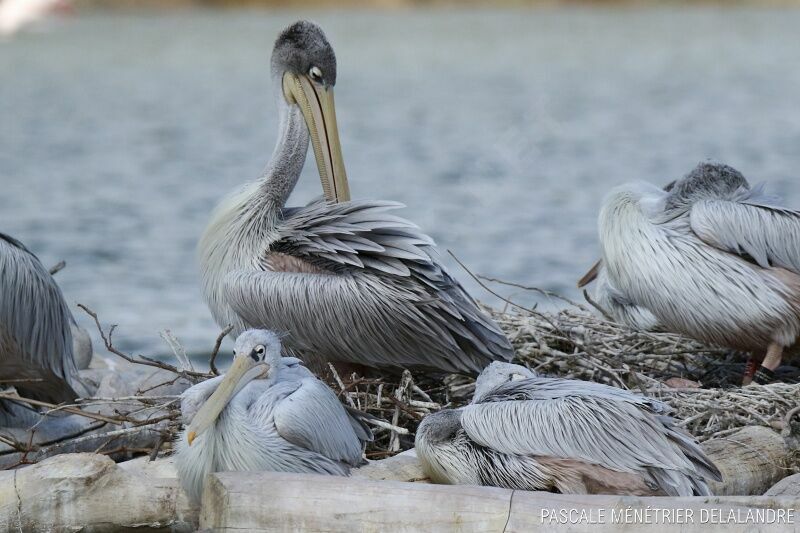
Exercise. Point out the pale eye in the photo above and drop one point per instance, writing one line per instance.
(316, 74)
(260, 350)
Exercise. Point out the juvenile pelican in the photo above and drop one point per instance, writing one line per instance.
(575, 437)
(711, 258)
(266, 413)
(348, 281)
(36, 329)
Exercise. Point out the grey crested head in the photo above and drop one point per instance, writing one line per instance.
(497, 373)
(439, 427)
(706, 180)
(260, 345)
(303, 49)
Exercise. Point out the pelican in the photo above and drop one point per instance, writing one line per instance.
(36, 329)
(711, 258)
(266, 413)
(527, 432)
(616, 304)
(349, 281)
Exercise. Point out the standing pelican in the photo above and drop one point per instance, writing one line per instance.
(711, 258)
(36, 329)
(266, 413)
(575, 437)
(348, 281)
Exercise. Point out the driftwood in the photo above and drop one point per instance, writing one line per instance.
(269, 501)
(751, 461)
(788, 486)
(91, 491)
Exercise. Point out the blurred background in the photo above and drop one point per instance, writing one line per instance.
(501, 129)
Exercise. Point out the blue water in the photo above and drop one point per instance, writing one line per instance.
(501, 132)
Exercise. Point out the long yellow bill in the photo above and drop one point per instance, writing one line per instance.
(243, 370)
(316, 103)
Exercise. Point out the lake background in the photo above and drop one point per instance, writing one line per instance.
(500, 130)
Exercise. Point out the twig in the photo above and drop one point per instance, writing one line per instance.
(217, 345)
(58, 267)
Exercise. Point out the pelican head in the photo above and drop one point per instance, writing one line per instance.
(496, 374)
(256, 354)
(304, 66)
(706, 180)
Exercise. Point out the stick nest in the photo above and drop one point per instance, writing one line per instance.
(699, 382)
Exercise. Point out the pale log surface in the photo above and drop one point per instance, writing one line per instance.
(788, 486)
(751, 461)
(269, 501)
(89, 492)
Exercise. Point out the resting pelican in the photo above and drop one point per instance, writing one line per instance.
(36, 329)
(527, 432)
(266, 413)
(348, 281)
(711, 258)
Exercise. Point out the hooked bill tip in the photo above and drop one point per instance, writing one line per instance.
(190, 437)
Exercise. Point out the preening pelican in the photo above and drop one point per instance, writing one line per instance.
(36, 329)
(711, 258)
(266, 413)
(527, 432)
(347, 281)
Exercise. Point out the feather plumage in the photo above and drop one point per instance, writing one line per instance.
(35, 328)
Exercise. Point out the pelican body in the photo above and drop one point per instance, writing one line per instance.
(36, 329)
(266, 413)
(527, 432)
(616, 304)
(347, 280)
(711, 258)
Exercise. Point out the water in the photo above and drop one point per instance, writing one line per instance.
(501, 131)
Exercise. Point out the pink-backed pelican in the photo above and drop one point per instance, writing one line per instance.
(710, 258)
(346, 280)
(527, 432)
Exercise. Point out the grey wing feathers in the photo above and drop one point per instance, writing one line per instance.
(595, 423)
(35, 325)
(751, 224)
(379, 282)
(312, 417)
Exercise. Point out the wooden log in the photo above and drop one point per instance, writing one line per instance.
(89, 492)
(751, 461)
(788, 486)
(271, 501)
(401, 467)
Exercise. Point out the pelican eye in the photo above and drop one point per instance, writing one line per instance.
(315, 74)
(258, 353)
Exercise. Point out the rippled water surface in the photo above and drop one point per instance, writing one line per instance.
(501, 132)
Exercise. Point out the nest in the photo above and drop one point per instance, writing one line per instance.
(699, 382)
